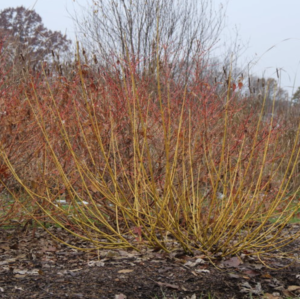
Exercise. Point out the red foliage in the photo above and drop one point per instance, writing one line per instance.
(86, 118)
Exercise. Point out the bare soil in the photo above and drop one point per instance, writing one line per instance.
(33, 265)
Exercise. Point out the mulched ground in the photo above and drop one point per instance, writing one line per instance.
(32, 265)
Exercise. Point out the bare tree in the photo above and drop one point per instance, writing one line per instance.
(267, 88)
(188, 28)
(25, 35)
(296, 96)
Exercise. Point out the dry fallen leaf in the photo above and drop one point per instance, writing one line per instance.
(234, 275)
(287, 293)
(96, 263)
(257, 266)
(24, 271)
(266, 275)
(193, 264)
(293, 288)
(125, 271)
(49, 249)
(12, 260)
(93, 188)
(4, 247)
(202, 271)
(247, 288)
(233, 262)
(251, 273)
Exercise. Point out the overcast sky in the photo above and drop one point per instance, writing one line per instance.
(261, 24)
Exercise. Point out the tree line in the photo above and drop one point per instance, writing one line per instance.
(137, 32)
